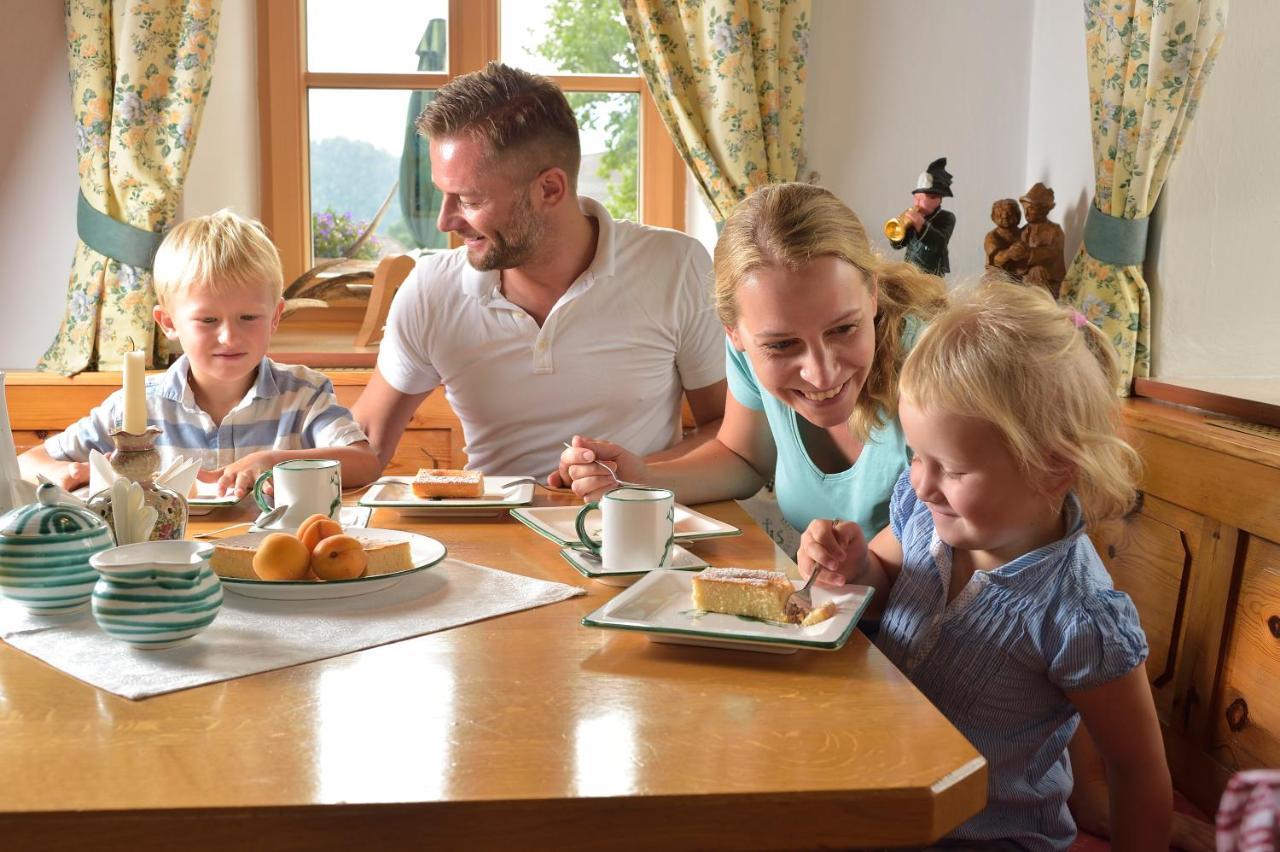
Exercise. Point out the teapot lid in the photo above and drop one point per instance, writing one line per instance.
(48, 517)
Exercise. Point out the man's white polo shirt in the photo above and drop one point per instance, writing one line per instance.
(610, 361)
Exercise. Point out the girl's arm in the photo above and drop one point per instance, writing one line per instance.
(1121, 717)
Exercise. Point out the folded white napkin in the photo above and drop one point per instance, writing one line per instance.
(180, 474)
(252, 635)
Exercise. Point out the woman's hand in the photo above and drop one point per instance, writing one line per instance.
(837, 548)
(578, 468)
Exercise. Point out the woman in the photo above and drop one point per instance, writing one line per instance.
(818, 326)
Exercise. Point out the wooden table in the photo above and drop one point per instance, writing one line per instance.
(524, 731)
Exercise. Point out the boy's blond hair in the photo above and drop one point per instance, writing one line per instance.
(218, 253)
(1042, 375)
(788, 225)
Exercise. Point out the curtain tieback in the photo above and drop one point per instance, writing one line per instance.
(115, 239)
(1115, 240)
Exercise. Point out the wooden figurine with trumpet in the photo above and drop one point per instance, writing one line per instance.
(924, 229)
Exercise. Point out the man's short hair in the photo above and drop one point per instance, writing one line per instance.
(521, 117)
(218, 253)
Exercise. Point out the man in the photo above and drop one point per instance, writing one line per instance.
(931, 226)
(1044, 240)
(552, 319)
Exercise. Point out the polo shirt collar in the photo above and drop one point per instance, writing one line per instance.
(484, 285)
(175, 383)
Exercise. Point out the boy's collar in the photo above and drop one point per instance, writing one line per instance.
(175, 383)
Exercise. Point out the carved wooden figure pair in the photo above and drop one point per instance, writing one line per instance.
(1032, 253)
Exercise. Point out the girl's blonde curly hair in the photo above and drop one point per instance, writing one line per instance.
(788, 225)
(1043, 376)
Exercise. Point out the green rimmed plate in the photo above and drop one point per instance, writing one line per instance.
(660, 604)
(556, 523)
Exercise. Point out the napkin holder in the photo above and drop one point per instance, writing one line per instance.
(136, 460)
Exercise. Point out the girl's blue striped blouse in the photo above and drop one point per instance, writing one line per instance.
(998, 659)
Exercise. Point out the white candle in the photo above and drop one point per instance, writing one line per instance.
(135, 393)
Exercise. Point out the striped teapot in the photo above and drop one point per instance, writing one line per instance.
(45, 549)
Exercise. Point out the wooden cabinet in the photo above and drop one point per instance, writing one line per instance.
(1199, 558)
(41, 404)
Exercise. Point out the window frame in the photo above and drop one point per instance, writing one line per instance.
(284, 83)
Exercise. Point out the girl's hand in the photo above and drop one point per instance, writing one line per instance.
(837, 548)
(578, 468)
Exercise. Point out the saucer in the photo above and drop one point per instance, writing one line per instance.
(589, 565)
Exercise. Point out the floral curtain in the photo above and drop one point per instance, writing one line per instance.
(1148, 63)
(728, 77)
(140, 74)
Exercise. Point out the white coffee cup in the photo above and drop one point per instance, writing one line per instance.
(307, 486)
(638, 529)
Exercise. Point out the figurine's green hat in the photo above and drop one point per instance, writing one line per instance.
(935, 180)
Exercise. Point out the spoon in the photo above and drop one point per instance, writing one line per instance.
(266, 519)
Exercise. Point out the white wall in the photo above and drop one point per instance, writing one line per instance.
(998, 86)
(38, 182)
(891, 88)
(1215, 294)
(1059, 141)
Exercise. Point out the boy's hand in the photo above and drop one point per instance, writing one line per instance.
(837, 548)
(238, 477)
(73, 476)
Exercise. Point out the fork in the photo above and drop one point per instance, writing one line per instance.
(800, 603)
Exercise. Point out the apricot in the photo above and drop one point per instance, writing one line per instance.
(315, 528)
(281, 557)
(339, 557)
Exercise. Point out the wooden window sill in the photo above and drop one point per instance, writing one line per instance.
(1254, 400)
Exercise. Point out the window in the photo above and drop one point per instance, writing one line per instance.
(341, 82)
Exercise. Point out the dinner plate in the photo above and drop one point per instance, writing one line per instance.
(661, 605)
(396, 492)
(557, 524)
(589, 565)
(424, 552)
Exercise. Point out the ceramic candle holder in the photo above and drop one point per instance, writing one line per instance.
(135, 458)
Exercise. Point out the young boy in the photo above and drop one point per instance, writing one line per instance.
(218, 290)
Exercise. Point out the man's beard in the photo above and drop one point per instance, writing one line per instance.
(516, 244)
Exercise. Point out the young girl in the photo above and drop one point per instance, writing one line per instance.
(997, 605)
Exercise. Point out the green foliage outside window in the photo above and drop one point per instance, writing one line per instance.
(590, 37)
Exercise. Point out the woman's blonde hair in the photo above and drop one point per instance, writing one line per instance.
(788, 225)
(1042, 375)
(217, 253)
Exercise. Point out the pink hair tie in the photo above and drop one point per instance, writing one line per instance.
(1078, 319)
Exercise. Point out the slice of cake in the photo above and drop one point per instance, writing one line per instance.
(743, 591)
(233, 557)
(439, 482)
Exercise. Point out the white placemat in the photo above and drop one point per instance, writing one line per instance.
(252, 635)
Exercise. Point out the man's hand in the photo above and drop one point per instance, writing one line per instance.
(578, 468)
(836, 548)
(238, 477)
(917, 218)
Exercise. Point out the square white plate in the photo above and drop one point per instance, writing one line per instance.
(589, 565)
(557, 524)
(661, 605)
(206, 499)
(396, 492)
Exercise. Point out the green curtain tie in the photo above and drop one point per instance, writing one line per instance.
(113, 238)
(1111, 239)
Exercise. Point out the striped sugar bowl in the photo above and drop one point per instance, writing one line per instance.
(156, 594)
(45, 549)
